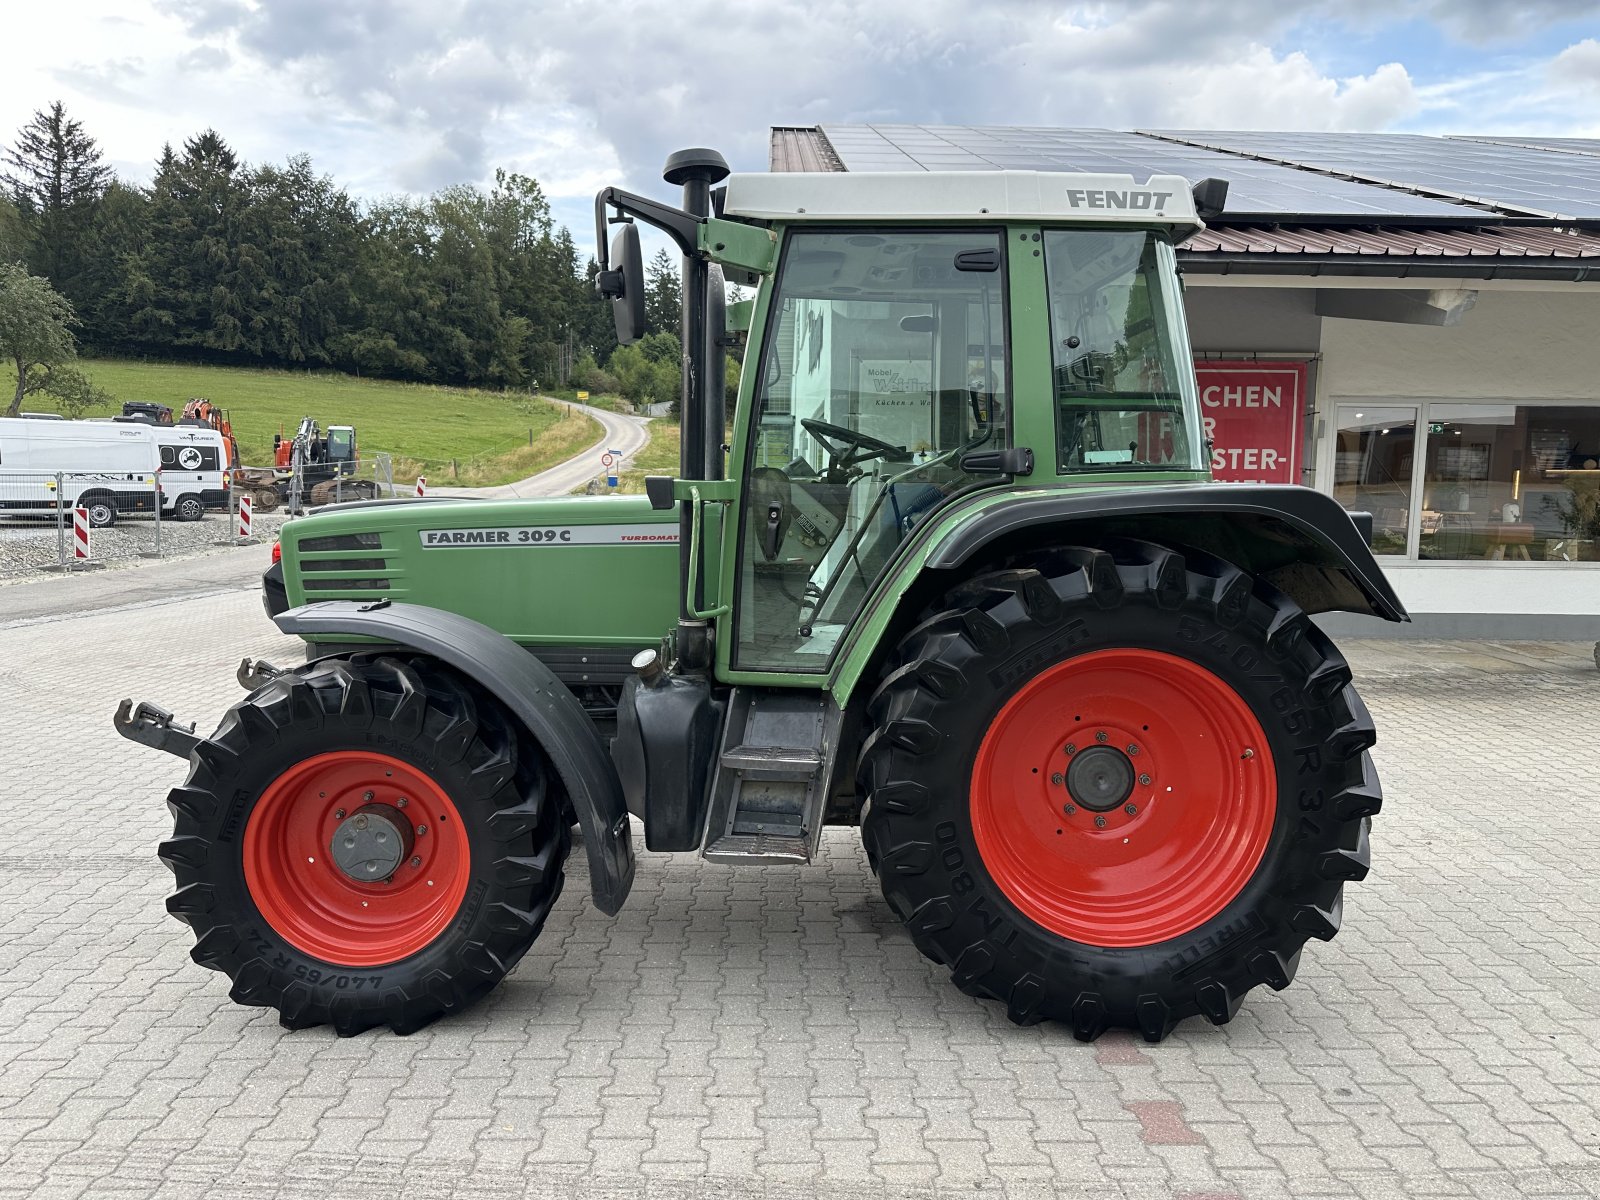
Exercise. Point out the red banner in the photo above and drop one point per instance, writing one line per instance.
(1255, 413)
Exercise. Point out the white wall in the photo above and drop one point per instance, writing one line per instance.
(1511, 345)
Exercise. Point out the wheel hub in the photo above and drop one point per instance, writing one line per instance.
(1100, 778)
(1123, 797)
(371, 843)
(356, 858)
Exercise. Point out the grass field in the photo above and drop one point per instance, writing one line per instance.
(659, 456)
(490, 437)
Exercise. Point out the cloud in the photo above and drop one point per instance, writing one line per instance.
(1496, 21)
(1578, 66)
(419, 94)
(204, 58)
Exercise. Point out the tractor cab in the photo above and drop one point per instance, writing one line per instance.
(896, 318)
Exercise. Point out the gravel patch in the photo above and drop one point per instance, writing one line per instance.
(29, 547)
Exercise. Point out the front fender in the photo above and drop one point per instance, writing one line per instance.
(1301, 541)
(533, 694)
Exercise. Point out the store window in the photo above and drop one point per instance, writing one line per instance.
(1511, 482)
(1490, 482)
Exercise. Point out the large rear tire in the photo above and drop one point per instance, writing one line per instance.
(1117, 787)
(365, 841)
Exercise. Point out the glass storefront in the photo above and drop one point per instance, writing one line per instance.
(1484, 481)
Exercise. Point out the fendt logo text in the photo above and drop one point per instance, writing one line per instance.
(1104, 198)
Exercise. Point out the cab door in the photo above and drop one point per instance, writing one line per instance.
(881, 367)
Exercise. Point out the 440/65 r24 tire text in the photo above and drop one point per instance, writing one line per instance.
(1117, 786)
(365, 841)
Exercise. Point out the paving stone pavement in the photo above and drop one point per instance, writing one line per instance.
(738, 1033)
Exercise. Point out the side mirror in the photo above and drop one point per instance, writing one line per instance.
(624, 284)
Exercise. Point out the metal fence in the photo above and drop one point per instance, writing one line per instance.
(36, 518)
(308, 487)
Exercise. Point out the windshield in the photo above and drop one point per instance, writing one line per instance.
(1122, 368)
(883, 364)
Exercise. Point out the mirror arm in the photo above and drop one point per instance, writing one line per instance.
(681, 227)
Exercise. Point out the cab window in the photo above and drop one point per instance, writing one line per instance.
(884, 364)
(1120, 353)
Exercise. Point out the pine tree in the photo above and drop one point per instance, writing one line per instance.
(663, 311)
(56, 179)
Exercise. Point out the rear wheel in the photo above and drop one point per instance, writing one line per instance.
(365, 842)
(190, 508)
(100, 508)
(1163, 787)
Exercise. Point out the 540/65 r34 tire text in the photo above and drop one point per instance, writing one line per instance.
(1117, 786)
(365, 841)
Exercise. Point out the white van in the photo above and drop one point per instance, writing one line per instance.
(109, 468)
(194, 470)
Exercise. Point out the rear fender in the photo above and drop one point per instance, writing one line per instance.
(530, 691)
(1301, 541)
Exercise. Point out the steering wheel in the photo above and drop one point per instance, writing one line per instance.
(860, 447)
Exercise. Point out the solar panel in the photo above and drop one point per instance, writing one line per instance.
(1565, 145)
(1516, 179)
(1257, 190)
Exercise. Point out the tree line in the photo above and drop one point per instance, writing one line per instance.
(277, 265)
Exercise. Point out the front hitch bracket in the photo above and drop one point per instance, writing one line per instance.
(153, 726)
(257, 672)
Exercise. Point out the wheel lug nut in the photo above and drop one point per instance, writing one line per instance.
(338, 814)
(1144, 780)
(1248, 754)
(1069, 809)
(1132, 749)
(1099, 822)
(1102, 736)
(1071, 749)
(416, 862)
(1131, 809)
(1056, 778)
(401, 802)
(421, 829)
(367, 797)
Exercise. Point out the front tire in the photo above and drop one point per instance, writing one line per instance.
(189, 508)
(365, 841)
(1163, 787)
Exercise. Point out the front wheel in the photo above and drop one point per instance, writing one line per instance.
(363, 842)
(1163, 787)
(189, 508)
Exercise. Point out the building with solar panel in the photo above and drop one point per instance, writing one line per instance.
(1409, 323)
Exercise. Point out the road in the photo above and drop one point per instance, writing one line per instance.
(625, 434)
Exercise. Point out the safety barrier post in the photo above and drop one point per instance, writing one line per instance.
(246, 513)
(81, 559)
(155, 494)
(422, 487)
(61, 521)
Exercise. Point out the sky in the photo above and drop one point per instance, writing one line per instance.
(393, 96)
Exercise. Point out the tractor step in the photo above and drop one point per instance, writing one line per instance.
(772, 777)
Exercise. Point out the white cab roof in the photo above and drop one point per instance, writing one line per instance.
(962, 195)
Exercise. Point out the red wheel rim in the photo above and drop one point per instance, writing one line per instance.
(318, 908)
(1203, 798)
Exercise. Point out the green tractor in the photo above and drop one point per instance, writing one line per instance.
(959, 577)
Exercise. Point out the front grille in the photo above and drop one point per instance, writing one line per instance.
(344, 541)
(345, 564)
(346, 585)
